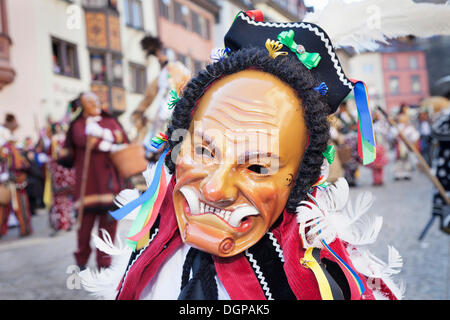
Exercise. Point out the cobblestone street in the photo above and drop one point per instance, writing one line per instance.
(36, 267)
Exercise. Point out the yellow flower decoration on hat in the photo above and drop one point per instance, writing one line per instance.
(273, 47)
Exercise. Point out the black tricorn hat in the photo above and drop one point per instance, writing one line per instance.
(247, 32)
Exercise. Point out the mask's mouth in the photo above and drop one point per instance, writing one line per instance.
(233, 218)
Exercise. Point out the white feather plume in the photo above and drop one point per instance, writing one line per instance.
(150, 172)
(374, 268)
(329, 215)
(365, 24)
(103, 284)
(107, 246)
(331, 219)
(125, 197)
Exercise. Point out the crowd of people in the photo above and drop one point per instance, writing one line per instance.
(68, 170)
(412, 122)
(411, 138)
(56, 175)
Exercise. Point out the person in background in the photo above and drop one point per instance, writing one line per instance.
(62, 181)
(35, 178)
(348, 149)
(440, 132)
(98, 128)
(380, 128)
(425, 135)
(172, 77)
(403, 167)
(13, 176)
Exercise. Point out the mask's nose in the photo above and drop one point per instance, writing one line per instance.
(219, 187)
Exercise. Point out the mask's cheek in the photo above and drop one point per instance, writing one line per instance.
(269, 196)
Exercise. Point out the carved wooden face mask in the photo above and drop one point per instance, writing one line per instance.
(239, 162)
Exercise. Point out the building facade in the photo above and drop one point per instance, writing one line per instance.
(405, 78)
(62, 48)
(186, 29)
(7, 72)
(367, 66)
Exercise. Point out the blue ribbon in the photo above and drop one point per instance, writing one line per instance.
(365, 119)
(355, 275)
(125, 210)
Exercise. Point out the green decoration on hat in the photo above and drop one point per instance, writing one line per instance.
(310, 60)
(329, 154)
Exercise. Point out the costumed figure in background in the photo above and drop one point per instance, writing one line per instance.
(403, 166)
(96, 133)
(381, 128)
(36, 160)
(13, 179)
(441, 168)
(424, 126)
(62, 181)
(163, 90)
(348, 149)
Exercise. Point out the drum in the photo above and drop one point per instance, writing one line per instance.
(130, 160)
(5, 195)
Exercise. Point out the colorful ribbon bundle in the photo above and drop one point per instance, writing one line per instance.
(150, 202)
(159, 140)
(325, 285)
(346, 268)
(366, 136)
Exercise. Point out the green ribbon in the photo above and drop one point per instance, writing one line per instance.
(173, 99)
(329, 154)
(310, 60)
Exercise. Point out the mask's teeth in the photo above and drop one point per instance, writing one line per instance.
(202, 207)
(227, 215)
(192, 199)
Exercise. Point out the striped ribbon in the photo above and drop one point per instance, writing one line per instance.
(366, 136)
(159, 140)
(355, 276)
(146, 196)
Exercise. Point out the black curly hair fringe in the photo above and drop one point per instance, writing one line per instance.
(289, 70)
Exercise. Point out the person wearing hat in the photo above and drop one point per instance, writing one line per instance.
(440, 133)
(13, 177)
(103, 181)
(238, 206)
(173, 75)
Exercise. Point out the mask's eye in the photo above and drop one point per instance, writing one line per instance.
(203, 151)
(258, 169)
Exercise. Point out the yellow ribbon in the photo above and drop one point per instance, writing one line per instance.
(273, 46)
(308, 261)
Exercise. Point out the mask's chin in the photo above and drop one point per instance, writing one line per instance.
(209, 228)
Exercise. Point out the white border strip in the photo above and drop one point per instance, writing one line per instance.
(261, 278)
